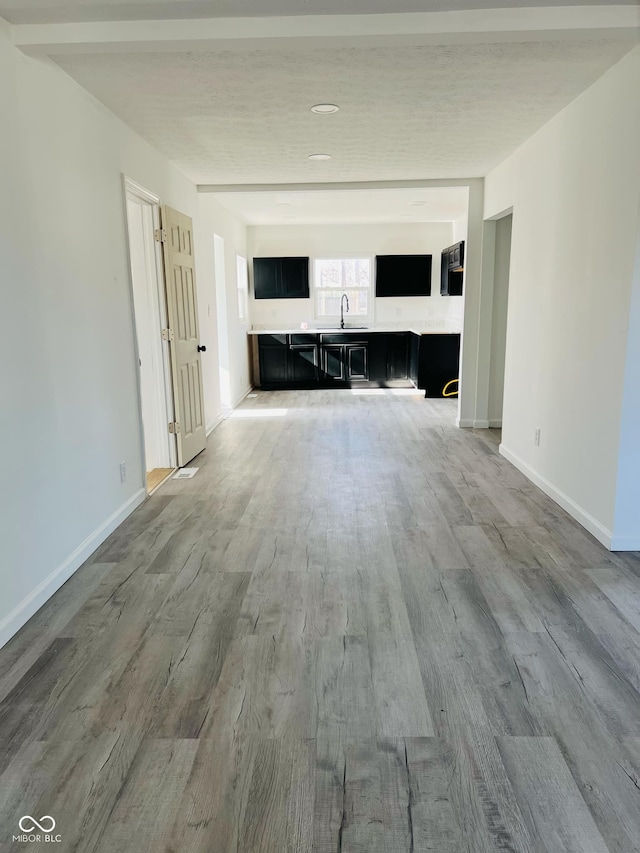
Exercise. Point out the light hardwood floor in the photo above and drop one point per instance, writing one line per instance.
(358, 628)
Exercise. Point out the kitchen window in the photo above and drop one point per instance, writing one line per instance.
(334, 276)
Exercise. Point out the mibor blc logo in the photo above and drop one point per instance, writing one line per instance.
(37, 830)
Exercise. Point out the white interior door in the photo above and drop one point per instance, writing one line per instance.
(149, 313)
(182, 313)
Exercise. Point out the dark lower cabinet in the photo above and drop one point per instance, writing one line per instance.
(308, 360)
(343, 359)
(303, 363)
(438, 363)
(274, 358)
(398, 356)
(333, 362)
(356, 362)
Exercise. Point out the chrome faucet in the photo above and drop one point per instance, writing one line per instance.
(344, 296)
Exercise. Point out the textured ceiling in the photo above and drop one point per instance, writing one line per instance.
(435, 204)
(48, 11)
(406, 113)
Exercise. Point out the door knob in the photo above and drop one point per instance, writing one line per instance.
(201, 349)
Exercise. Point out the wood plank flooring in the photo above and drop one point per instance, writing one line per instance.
(358, 628)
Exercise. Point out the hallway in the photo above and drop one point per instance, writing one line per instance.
(357, 628)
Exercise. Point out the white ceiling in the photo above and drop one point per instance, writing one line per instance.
(342, 207)
(50, 11)
(407, 112)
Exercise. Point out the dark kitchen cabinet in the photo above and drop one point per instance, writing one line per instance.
(274, 359)
(303, 363)
(342, 360)
(281, 278)
(439, 362)
(452, 270)
(388, 357)
(403, 275)
(356, 362)
(397, 356)
(333, 362)
(414, 357)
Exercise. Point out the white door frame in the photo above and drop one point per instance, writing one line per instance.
(133, 191)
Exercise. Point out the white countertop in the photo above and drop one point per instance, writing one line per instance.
(352, 331)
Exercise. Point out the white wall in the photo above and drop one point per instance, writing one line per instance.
(627, 518)
(235, 349)
(574, 188)
(70, 400)
(336, 240)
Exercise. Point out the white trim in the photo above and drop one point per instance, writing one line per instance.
(317, 31)
(20, 614)
(210, 428)
(242, 396)
(601, 533)
(140, 192)
(495, 423)
(470, 423)
(136, 192)
(226, 410)
(625, 543)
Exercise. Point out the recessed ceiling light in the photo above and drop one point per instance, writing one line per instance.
(319, 156)
(283, 203)
(417, 203)
(325, 109)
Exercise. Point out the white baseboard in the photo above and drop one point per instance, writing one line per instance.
(210, 428)
(243, 395)
(496, 423)
(226, 411)
(21, 614)
(601, 533)
(470, 423)
(625, 543)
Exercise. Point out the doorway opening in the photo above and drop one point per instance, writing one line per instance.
(150, 316)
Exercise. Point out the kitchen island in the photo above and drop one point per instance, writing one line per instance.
(354, 357)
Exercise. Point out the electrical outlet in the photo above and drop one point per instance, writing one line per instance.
(537, 438)
(123, 472)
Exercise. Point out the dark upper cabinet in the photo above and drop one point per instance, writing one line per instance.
(281, 278)
(452, 270)
(295, 278)
(266, 277)
(403, 275)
